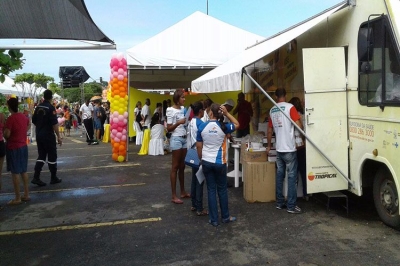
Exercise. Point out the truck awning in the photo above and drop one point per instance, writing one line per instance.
(227, 77)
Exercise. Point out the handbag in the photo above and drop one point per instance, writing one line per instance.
(192, 158)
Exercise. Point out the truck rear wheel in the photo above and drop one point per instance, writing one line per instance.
(386, 198)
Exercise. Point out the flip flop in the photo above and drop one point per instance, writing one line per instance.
(13, 202)
(187, 195)
(202, 213)
(23, 198)
(177, 201)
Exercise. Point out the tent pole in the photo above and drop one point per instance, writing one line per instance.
(129, 118)
(351, 183)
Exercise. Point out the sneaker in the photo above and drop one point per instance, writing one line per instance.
(281, 207)
(38, 182)
(95, 143)
(55, 180)
(295, 210)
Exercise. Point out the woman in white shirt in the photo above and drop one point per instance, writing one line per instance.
(176, 125)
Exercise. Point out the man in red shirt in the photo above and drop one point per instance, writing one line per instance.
(245, 112)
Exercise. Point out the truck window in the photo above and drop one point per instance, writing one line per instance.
(379, 67)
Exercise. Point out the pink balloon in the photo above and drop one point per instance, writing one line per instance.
(120, 117)
(115, 68)
(125, 74)
(125, 121)
(111, 76)
(120, 77)
(124, 67)
(124, 131)
(123, 138)
(115, 120)
(115, 114)
(114, 62)
(114, 126)
(114, 131)
(126, 114)
(119, 135)
(123, 60)
(120, 129)
(121, 124)
(115, 74)
(120, 71)
(117, 140)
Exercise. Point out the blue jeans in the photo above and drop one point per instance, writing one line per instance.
(286, 160)
(216, 182)
(196, 191)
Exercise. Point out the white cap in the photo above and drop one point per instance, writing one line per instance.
(229, 102)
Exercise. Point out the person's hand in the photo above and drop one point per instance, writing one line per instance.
(223, 109)
(181, 121)
(268, 149)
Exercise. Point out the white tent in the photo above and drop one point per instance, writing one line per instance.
(228, 77)
(9, 87)
(185, 51)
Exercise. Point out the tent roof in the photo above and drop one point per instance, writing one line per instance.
(185, 51)
(48, 19)
(197, 41)
(227, 77)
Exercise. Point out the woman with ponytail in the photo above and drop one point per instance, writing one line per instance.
(211, 148)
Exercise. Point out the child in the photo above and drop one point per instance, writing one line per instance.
(61, 121)
(74, 122)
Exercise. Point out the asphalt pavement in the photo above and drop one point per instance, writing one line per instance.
(110, 213)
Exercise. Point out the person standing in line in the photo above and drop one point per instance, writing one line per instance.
(175, 124)
(286, 150)
(146, 121)
(16, 127)
(45, 120)
(245, 112)
(67, 116)
(207, 103)
(86, 112)
(2, 144)
(196, 188)
(97, 119)
(300, 146)
(211, 148)
(146, 114)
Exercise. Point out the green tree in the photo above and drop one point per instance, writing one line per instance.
(9, 62)
(55, 88)
(29, 84)
(90, 89)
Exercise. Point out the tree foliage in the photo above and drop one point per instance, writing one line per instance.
(10, 62)
(91, 89)
(29, 83)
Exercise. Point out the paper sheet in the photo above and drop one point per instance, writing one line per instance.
(200, 175)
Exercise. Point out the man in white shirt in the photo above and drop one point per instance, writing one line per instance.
(286, 150)
(146, 114)
(86, 112)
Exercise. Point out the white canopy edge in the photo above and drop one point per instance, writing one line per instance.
(228, 76)
(60, 47)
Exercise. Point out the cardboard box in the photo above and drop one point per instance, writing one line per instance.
(252, 156)
(259, 181)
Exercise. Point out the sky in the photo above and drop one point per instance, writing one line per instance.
(130, 22)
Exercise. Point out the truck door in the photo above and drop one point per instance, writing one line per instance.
(325, 118)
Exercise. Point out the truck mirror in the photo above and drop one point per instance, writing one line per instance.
(365, 44)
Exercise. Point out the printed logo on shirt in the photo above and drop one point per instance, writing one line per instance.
(213, 130)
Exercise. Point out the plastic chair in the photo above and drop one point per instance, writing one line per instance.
(139, 133)
(156, 146)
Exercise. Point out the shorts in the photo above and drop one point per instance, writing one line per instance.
(17, 160)
(97, 124)
(2, 149)
(176, 143)
(61, 129)
(67, 124)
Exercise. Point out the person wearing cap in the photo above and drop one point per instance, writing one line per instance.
(45, 120)
(245, 112)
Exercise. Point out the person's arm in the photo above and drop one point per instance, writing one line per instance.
(269, 138)
(6, 133)
(171, 127)
(199, 147)
(229, 116)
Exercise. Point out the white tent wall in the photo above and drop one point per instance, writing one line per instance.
(185, 51)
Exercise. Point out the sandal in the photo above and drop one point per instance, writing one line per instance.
(229, 220)
(14, 202)
(202, 213)
(177, 201)
(192, 209)
(187, 195)
(23, 198)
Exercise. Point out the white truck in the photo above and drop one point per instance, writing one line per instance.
(348, 73)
